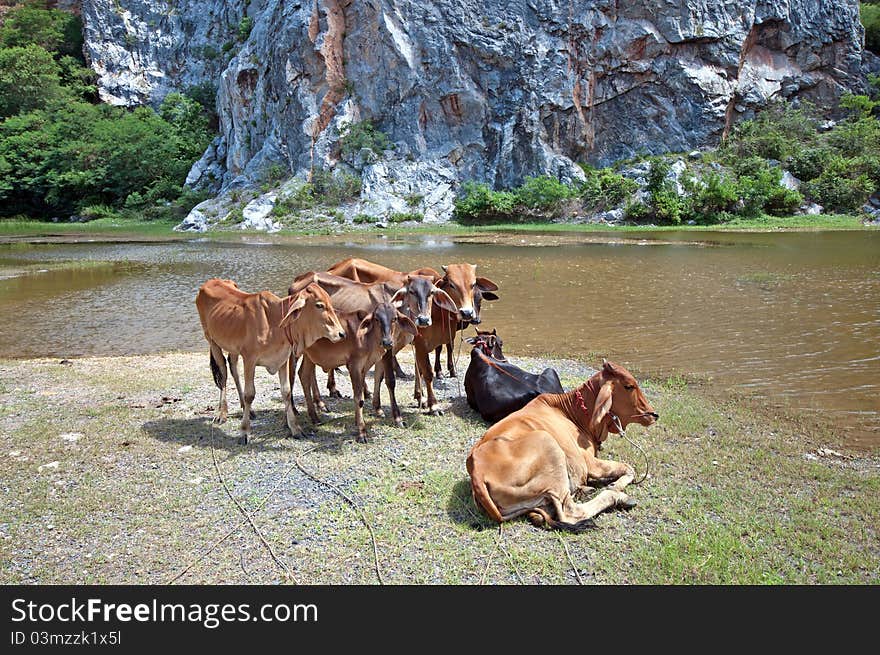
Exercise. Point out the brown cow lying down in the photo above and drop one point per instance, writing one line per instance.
(535, 460)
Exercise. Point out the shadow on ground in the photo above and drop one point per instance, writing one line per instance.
(462, 510)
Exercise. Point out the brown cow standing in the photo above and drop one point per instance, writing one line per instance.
(264, 330)
(415, 298)
(371, 338)
(536, 459)
(460, 281)
(362, 270)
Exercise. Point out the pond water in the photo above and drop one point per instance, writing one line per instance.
(793, 316)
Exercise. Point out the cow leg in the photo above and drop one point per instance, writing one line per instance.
(309, 385)
(250, 392)
(291, 378)
(233, 368)
(357, 388)
(218, 371)
(378, 376)
(424, 365)
(437, 370)
(332, 391)
(390, 383)
(607, 472)
(450, 363)
(417, 384)
(287, 399)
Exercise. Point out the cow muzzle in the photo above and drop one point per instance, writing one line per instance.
(387, 343)
(466, 314)
(423, 321)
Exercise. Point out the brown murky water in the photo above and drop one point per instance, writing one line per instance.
(795, 316)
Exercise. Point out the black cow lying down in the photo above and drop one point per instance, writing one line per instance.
(496, 388)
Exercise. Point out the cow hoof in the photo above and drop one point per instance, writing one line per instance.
(302, 434)
(379, 413)
(436, 412)
(400, 423)
(253, 414)
(626, 504)
(243, 440)
(219, 420)
(335, 394)
(452, 374)
(323, 407)
(362, 438)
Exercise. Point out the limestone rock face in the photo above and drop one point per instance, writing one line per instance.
(492, 91)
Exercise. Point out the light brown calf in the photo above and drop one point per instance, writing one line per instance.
(535, 460)
(264, 330)
(371, 338)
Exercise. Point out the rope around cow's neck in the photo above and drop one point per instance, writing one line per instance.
(622, 433)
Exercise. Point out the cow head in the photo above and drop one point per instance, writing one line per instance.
(416, 298)
(387, 322)
(312, 315)
(618, 396)
(462, 284)
(489, 343)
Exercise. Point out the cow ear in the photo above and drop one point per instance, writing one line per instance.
(486, 284)
(294, 311)
(601, 407)
(494, 332)
(398, 298)
(406, 324)
(444, 301)
(366, 324)
(471, 340)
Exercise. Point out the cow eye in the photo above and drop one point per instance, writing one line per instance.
(320, 305)
(473, 285)
(629, 387)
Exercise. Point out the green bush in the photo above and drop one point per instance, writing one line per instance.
(604, 188)
(714, 195)
(477, 202)
(809, 163)
(838, 188)
(356, 136)
(543, 193)
(335, 189)
(51, 29)
(635, 210)
(30, 79)
(361, 219)
(245, 25)
(778, 132)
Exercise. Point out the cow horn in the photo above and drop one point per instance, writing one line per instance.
(444, 268)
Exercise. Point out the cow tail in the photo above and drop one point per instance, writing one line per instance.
(481, 493)
(218, 370)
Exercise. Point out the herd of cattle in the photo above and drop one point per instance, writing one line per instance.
(541, 450)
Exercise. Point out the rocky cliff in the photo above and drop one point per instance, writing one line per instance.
(491, 90)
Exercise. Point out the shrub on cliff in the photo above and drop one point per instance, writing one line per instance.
(355, 137)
